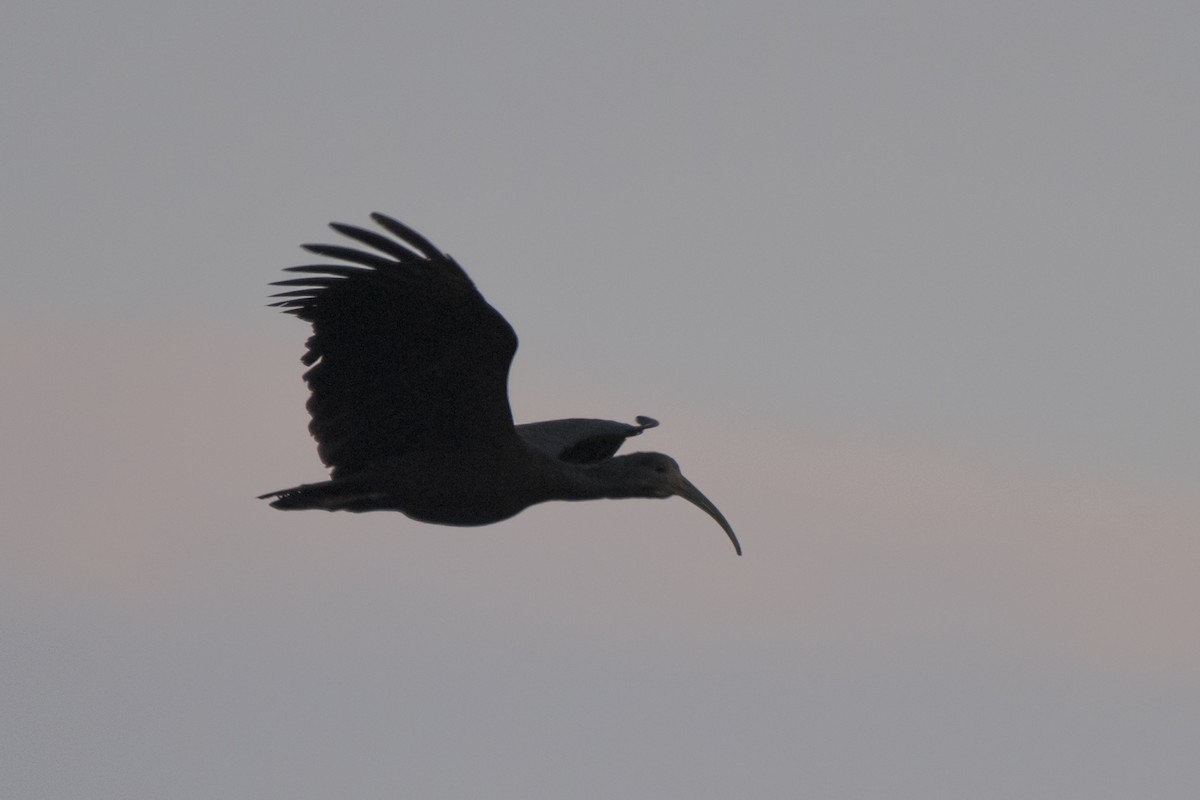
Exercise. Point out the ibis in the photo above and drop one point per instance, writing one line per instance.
(408, 380)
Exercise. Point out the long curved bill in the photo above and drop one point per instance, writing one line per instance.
(688, 491)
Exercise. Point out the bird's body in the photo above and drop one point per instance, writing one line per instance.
(474, 487)
(409, 405)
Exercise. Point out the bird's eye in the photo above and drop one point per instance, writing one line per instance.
(660, 468)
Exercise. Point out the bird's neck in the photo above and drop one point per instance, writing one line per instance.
(591, 481)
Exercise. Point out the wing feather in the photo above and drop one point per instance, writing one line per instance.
(405, 353)
(581, 441)
(350, 254)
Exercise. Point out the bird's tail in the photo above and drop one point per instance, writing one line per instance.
(327, 495)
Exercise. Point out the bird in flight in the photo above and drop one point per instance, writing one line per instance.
(408, 380)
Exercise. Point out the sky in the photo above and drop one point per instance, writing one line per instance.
(910, 286)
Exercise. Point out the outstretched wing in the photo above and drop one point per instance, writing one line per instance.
(405, 352)
(581, 441)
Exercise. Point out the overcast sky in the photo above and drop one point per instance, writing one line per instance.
(912, 288)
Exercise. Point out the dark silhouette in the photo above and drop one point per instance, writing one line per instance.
(408, 370)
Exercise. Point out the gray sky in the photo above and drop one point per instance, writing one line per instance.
(910, 286)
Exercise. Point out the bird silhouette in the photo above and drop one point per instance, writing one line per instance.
(408, 373)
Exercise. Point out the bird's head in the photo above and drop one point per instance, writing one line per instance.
(657, 475)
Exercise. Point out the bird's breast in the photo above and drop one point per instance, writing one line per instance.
(457, 488)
